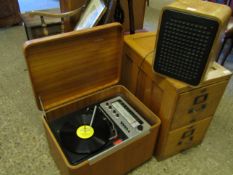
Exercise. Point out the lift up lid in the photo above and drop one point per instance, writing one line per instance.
(68, 66)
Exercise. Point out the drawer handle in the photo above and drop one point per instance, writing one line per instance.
(200, 99)
(188, 133)
(195, 110)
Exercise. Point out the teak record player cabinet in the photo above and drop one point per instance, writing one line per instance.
(185, 111)
(74, 70)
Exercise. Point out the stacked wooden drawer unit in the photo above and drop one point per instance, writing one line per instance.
(185, 111)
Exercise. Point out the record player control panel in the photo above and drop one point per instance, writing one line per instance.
(130, 122)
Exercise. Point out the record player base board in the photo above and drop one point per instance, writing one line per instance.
(117, 163)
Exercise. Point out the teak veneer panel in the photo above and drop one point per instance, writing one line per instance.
(170, 99)
(72, 71)
(117, 163)
(184, 138)
(186, 109)
(141, 46)
(67, 66)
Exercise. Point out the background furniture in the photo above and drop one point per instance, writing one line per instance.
(226, 47)
(139, 12)
(49, 22)
(33, 25)
(228, 35)
(185, 111)
(68, 5)
(9, 13)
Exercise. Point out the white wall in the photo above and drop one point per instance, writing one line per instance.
(158, 4)
(29, 5)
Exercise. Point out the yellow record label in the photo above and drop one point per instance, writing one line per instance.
(85, 132)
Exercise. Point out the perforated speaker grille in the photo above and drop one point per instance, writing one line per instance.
(183, 46)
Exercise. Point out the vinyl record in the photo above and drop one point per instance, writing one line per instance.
(79, 137)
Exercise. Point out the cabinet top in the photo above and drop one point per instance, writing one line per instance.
(143, 45)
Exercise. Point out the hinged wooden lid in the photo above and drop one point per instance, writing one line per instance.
(68, 66)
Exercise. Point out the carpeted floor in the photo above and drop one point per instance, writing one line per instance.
(23, 146)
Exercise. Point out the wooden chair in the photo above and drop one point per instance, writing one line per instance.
(40, 28)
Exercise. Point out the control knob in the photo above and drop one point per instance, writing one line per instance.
(140, 127)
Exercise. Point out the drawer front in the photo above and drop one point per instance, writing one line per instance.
(197, 104)
(186, 137)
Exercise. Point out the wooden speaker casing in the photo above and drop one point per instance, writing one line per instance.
(188, 39)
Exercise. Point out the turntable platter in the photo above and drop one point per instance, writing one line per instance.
(79, 137)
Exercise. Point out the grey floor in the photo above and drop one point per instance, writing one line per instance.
(23, 146)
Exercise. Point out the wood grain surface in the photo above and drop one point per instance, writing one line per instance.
(117, 163)
(170, 99)
(67, 66)
(74, 70)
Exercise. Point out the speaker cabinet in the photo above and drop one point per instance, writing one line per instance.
(189, 38)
